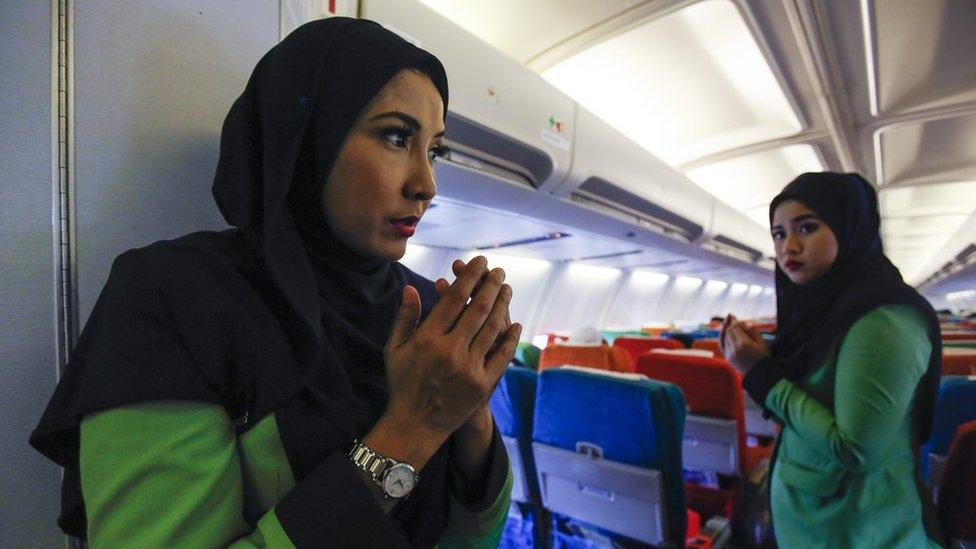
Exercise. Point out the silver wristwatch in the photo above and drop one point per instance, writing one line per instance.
(395, 478)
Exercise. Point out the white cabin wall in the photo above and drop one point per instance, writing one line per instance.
(639, 301)
(581, 295)
(29, 341)
(430, 262)
(560, 297)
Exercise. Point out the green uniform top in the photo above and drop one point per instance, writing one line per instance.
(175, 474)
(845, 470)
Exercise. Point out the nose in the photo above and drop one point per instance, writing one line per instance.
(791, 244)
(421, 184)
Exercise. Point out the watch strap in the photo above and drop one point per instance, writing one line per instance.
(368, 460)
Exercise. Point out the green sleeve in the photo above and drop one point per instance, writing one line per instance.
(881, 360)
(167, 474)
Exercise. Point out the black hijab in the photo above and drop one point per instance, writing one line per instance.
(319, 364)
(812, 319)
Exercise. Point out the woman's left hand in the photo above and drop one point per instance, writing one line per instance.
(743, 345)
(473, 438)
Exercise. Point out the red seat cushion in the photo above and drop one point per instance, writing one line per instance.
(637, 346)
(600, 357)
(957, 495)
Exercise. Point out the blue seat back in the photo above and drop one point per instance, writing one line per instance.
(634, 423)
(513, 405)
(956, 404)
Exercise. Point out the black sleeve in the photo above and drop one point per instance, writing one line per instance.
(311, 512)
(479, 494)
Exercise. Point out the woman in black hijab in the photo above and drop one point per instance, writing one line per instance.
(851, 377)
(284, 382)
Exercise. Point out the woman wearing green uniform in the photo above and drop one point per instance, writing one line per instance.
(287, 382)
(851, 377)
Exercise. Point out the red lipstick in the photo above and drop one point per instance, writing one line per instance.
(406, 226)
(792, 265)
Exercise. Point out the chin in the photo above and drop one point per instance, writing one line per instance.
(392, 251)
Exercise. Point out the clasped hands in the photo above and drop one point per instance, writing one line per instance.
(742, 344)
(441, 372)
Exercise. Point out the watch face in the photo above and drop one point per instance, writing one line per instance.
(399, 480)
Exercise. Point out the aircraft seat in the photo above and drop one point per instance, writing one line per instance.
(555, 339)
(608, 454)
(958, 361)
(957, 494)
(635, 346)
(709, 344)
(955, 405)
(958, 336)
(610, 334)
(715, 432)
(528, 355)
(513, 407)
(685, 339)
(599, 357)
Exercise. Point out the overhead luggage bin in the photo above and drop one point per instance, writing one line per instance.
(503, 118)
(733, 233)
(613, 174)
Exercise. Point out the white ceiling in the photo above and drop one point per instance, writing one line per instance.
(773, 88)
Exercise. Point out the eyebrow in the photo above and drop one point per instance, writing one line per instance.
(410, 121)
(797, 219)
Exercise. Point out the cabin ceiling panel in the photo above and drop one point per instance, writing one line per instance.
(685, 85)
(929, 150)
(748, 183)
(917, 221)
(521, 29)
(923, 54)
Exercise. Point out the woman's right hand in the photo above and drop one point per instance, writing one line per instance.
(440, 371)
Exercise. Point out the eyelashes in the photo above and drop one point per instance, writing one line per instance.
(398, 136)
(804, 228)
(439, 151)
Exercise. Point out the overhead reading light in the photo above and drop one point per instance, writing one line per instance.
(683, 86)
(523, 241)
(749, 182)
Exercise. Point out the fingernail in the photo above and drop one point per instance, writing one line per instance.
(500, 273)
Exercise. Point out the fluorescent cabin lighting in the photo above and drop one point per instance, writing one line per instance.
(683, 86)
(755, 290)
(738, 289)
(917, 221)
(716, 286)
(512, 262)
(749, 182)
(687, 282)
(649, 278)
(593, 272)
